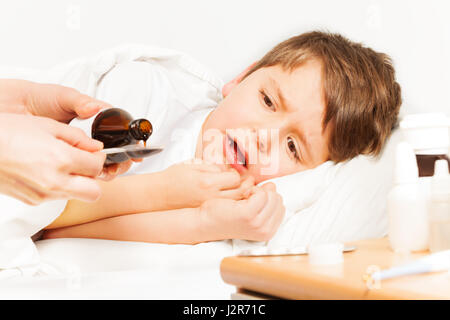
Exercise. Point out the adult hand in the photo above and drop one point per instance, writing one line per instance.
(42, 159)
(47, 100)
(56, 102)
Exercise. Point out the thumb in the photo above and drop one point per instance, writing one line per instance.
(83, 106)
(75, 137)
(88, 107)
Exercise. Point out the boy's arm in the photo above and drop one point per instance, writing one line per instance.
(121, 196)
(173, 226)
(179, 186)
(256, 218)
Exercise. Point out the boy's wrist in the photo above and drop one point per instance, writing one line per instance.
(204, 223)
(160, 183)
(209, 228)
(163, 189)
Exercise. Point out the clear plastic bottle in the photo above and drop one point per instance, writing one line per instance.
(439, 208)
(406, 205)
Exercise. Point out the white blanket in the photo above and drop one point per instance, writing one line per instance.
(196, 88)
(329, 203)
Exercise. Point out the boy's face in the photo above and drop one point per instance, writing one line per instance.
(270, 124)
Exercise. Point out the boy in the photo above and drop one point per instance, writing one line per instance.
(314, 97)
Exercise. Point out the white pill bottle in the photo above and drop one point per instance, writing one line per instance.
(407, 204)
(439, 208)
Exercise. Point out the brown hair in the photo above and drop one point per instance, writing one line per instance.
(362, 96)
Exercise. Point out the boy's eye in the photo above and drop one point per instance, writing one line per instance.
(292, 148)
(267, 100)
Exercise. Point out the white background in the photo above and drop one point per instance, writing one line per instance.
(228, 35)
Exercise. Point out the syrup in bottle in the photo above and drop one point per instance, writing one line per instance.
(115, 127)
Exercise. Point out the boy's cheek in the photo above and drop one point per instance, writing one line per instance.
(263, 173)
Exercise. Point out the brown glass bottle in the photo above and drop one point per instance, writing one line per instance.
(115, 127)
(425, 162)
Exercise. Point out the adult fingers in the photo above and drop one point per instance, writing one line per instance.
(111, 171)
(79, 104)
(75, 137)
(22, 191)
(122, 167)
(90, 108)
(82, 188)
(85, 163)
(32, 187)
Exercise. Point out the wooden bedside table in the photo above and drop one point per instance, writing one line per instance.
(292, 277)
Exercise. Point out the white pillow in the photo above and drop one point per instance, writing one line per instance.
(343, 202)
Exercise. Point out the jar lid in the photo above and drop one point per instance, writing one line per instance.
(427, 133)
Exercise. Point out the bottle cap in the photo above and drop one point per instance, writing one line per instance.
(326, 254)
(406, 169)
(427, 132)
(141, 129)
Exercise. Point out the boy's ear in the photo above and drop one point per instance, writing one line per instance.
(230, 85)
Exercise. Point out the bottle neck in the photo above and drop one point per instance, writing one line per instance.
(140, 129)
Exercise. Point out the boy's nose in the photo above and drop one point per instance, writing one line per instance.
(256, 141)
(262, 140)
(265, 139)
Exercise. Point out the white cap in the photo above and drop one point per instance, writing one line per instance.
(406, 169)
(326, 254)
(427, 132)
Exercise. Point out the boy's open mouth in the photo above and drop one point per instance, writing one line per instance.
(235, 156)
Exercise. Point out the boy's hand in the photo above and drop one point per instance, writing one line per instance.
(188, 185)
(256, 218)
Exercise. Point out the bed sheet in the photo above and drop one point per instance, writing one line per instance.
(105, 269)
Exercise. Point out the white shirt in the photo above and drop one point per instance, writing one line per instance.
(144, 90)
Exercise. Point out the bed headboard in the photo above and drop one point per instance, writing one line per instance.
(228, 35)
